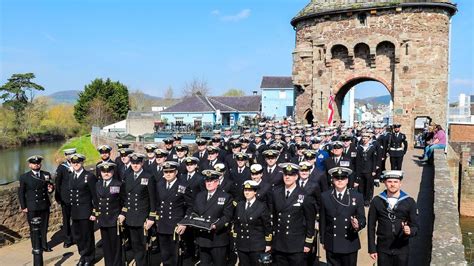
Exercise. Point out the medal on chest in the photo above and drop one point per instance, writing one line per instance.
(220, 201)
(300, 198)
(144, 181)
(114, 189)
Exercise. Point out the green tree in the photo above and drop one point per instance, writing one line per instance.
(112, 93)
(14, 96)
(234, 93)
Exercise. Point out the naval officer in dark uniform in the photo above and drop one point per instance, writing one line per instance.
(83, 198)
(110, 198)
(104, 152)
(252, 226)
(173, 202)
(35, 185)
(215, 205)
(397, 147)
(342, 217)
(63, 174)
(395, 216)
(139, 210)
(294, 219)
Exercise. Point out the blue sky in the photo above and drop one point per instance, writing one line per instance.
(151, 45)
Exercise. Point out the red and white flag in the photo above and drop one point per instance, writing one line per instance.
(330, 109)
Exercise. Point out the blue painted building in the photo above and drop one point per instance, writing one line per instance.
(199, 110)
(278, 97)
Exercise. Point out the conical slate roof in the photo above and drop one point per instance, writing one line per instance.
(323, 7)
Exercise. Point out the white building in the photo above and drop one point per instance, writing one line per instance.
(462, 111)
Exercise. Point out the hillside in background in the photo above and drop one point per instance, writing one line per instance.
(385, 99)
(67, 97)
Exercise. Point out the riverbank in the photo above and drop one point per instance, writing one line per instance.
(83, 145)
(11, 143)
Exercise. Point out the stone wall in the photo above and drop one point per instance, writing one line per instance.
(447, 239)
(404, 48)
(13, 224)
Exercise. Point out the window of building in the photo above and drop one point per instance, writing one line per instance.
(282, 94)
(179, 121)
(362, 17)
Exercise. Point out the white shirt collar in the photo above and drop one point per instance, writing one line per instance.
(138, 173)
(289, 189)
(80, 172)
(343, 192)
(172, 182)
(251, 202)
(107, 183)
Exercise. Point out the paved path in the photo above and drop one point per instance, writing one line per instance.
(417, 183)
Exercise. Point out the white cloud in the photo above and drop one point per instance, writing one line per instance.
(464, 82)
(243, 14)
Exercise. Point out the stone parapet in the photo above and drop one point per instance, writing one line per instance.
(13, 223)
(447, 239)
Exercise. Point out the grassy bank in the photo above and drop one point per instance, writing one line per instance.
(83, 146)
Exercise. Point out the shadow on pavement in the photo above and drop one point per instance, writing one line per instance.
(420, 247)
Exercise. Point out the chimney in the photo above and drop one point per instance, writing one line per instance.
(255, 92)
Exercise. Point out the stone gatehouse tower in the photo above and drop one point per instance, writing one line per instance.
(402, 44)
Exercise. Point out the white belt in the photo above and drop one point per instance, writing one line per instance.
(396, 149)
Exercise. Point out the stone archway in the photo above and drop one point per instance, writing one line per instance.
(308, 117)
(341, 44)
(340, 92)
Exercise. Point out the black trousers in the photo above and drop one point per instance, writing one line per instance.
(137, 241)
(83, 235)
(44, 215)
(66, 212)
(366, 186)
(190, 249)
(396, 163)
(168, 249)
(339, 259)
(249, 258)
(288, 259)
(216, 256)
(111, 246)
(392, 260)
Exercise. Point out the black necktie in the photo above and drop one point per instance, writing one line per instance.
(209, 196)
(168, 186)
(270, 170)
(302, 183)
(38, 175)
(189, 176)
(339, 196)
(75, 175)
(240, 170)
(248, 205)
(287, 193)
(105, 183)
(135, 176)
(201, 154)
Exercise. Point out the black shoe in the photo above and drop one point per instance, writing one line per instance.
(67, 245)
(80, 263)
(87, 264)
(47, 249)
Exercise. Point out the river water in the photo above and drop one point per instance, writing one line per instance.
(467, 229)
(13, 161)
